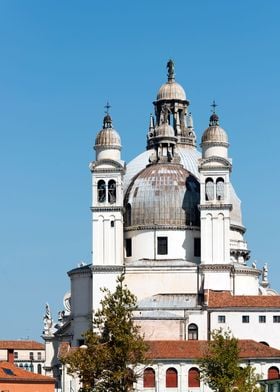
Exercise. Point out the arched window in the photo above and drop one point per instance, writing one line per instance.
(149, 378)
(209, 189)
(273, 372)
(192, 332)
(101, 191)
(220, 189)
(171, 378)
(39, 369)
(128, 215)
(193, 378)
(112, 191)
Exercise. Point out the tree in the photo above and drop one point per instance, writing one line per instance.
(220, 367)
(113, 348)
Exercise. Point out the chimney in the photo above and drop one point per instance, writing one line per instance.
(10, 355)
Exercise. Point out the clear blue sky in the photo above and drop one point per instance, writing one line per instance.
(61, 61)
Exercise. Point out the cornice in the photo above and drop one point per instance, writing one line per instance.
(100, 170)
(97, 269)
(212, 206)
(160, 227)
(107, 209)
(215, 267)
(94, 166)
(214, 143)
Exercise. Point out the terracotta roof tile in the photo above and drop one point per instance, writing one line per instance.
(21, 345)
(195, 349)
(18, 374)
(224, 299)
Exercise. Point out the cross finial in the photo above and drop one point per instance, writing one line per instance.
(214, 105)
(107, 107)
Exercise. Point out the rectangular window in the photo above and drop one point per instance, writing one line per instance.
(31, 356)
(15, 355)
(128, 247)
(262, 319)
(162, 248)
(197, 247)
(276, 319)
(245, 319)
(39, 356)
(221, 319)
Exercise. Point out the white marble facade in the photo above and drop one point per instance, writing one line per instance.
(171, 220)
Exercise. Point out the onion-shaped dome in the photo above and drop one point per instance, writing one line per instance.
(164, 195)
(214, 133)
(171, 90)
(108, 136)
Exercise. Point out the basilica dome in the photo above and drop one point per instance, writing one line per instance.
(163, 195)
(189, 158)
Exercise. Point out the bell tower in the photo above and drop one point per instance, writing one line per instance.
(107, 209)
(215, 206)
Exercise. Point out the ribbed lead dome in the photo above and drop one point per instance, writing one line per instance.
(163, 195)
(214, 133)
(171, 90)
(108, 136)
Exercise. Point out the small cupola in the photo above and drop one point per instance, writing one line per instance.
(172, 104)
(108, 141)
(214, 141)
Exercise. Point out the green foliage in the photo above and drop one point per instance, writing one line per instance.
(247, 380)
(113, 348)
(220, 368)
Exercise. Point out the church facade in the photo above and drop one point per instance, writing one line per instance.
(172, 222)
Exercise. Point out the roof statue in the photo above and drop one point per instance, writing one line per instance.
(164, 114)
(171, 70)
(48, 322)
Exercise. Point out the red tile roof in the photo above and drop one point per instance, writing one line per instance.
(21, 345)
(195, 349)
(224, 299)
(19, 374)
